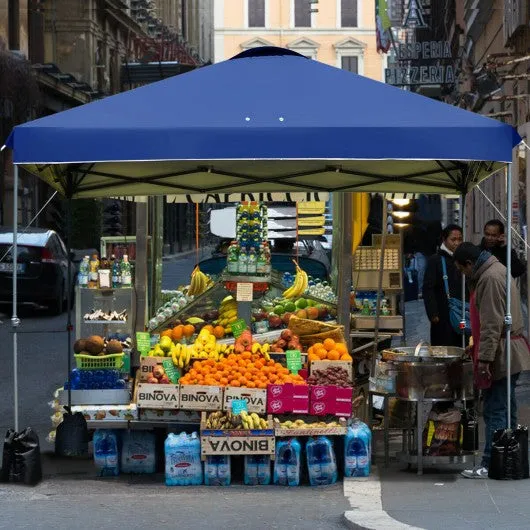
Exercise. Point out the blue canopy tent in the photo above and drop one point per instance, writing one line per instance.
(267, 120)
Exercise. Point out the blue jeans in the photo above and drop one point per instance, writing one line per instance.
(496, 411)
(421, 265)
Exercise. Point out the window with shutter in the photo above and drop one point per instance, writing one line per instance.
(350, 63)
(256, 13)
(348, 13)
(302, 13)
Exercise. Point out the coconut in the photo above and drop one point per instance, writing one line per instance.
(79, 345)
(114, 346)
(94, 344)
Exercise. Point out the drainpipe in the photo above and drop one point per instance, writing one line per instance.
(13, 16)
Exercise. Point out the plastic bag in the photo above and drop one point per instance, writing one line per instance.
(71, 437)
(21, 462)
(442, 434)
(509, 454)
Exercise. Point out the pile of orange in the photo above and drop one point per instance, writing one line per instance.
(187, 330)
(329, 350)
(247, 370)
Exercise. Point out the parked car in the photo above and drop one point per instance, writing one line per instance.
(42, 265)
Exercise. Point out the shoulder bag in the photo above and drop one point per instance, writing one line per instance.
(455, 307)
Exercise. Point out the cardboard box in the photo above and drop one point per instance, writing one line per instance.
(331, 400)
(256, 398)
(151, 396)
(108, 412)
(287, 398)
(237, 445)
(323, 365)
(169, 415)
(146, 366)
(201, 397)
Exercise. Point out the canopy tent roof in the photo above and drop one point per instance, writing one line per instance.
(267, 120)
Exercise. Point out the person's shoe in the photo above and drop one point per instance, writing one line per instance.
(477, 472)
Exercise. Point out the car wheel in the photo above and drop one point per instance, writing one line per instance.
(56, 305)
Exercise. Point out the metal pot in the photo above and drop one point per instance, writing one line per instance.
(424, 353)
(434, 380)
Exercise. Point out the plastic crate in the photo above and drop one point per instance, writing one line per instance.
(100, 362)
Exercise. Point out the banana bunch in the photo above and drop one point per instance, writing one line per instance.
(227, 313)
(206, 347)
(181, 355)
(299, 286)
(253, 421)
(261, 348)
(228, 420)
(199, 282)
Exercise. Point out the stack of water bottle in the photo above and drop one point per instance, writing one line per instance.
(95, 380)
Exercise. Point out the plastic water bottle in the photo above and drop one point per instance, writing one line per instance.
(287, 463)
(116, 272)
(183, 460)
(357, 451)
(84, 269)
(217, 471)
(138, 452)
(257, 470)
(321, 462)
(252, 261)
(242, 265)
(106, 453)
(232, 258)
(125, 272)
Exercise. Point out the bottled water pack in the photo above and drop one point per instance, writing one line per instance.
(287, 462)
(357, 450)
(106, 455)
(183, 460)
(321, 461)
(217, 471)
(257, 470)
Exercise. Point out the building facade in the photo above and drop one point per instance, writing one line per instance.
(340, 33)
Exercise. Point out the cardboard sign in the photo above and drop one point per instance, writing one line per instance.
(171, 370)
(245, 292)
(238, 327)
(143, 342)
(294, 360)
(239, 406)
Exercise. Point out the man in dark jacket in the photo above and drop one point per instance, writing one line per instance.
(494, 241)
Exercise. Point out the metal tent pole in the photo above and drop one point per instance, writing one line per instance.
(344, 283)
(69, 298)
(14, 319)
(464, 234)
(508, 316)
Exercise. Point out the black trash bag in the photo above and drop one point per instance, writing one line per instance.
(470, 432)
(509, 454)
(21, 461)
(71, 438)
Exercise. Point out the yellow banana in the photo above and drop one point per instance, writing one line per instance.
(256, 420)
(265, 348)
(256, 347)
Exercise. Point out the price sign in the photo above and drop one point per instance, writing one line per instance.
(238, 327)
(143, 342)
(294, 360)
(171, 370)
(245, 292)
(239, 406)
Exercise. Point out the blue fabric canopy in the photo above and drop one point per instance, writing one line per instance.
(266, 120)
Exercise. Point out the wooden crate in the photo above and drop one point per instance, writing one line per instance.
(256, 398)
(151, 396)
(146, 366)
(269, 431)
(201, 397)
(311, 431)
(322, 365)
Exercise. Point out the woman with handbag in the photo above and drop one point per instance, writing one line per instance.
(442, 291)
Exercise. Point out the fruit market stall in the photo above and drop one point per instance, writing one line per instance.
(255, 138)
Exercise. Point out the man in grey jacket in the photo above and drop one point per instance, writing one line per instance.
(488, 281)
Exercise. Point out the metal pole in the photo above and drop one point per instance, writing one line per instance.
(345, 204)
(14, 319)
(69, 298)
(464, 233)
(508, 316)
(379, 287)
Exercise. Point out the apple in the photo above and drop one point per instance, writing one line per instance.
(152, 381)
(281, 343)
(165, 380)
(275, 321)
(287, 335)
(158, 372)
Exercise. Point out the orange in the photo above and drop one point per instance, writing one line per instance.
(208, 327)
(346, 357)
(341, 348)
(333, 355)
(313, 357)
(329, 344)
(223, 381)
(317, 346)
(322, 353)
(177, 332)
(235, 382)
(189, 330)
(166, 333)
(310, 350)
(219, 332)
